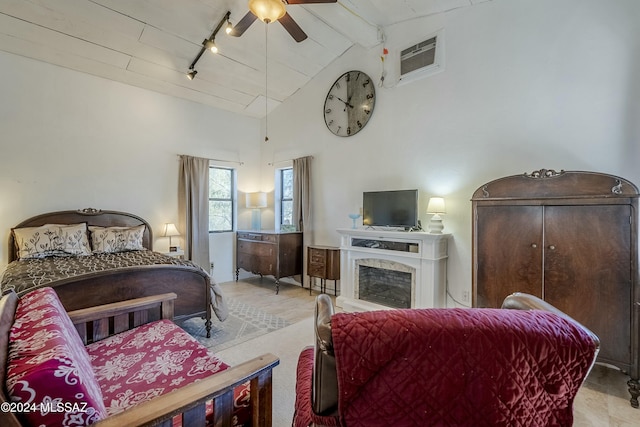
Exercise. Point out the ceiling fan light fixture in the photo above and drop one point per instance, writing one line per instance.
(267, 10)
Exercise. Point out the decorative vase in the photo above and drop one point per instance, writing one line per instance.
(353, 218)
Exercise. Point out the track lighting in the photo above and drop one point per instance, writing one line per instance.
(210, 44)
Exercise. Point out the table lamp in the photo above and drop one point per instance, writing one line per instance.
(256, 201)
(436, 207)
(170, 230)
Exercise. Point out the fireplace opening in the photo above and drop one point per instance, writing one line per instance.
(391, 288)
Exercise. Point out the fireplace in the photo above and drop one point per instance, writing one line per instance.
(385, 282)
(385, 269)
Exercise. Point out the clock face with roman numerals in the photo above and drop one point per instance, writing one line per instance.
(349, 103)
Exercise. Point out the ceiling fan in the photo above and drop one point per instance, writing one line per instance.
(273, 10)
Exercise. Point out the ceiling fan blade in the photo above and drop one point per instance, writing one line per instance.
(292, 27)
(309, 1)
(243, 24)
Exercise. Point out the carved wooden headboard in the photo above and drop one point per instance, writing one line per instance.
(91, 217)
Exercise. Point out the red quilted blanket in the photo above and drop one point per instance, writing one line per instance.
(458, 367)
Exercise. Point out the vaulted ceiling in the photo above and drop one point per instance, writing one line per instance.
(151, 43)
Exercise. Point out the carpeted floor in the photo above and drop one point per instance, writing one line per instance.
(286, 343)
(244, 323)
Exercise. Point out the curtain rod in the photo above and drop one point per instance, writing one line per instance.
(217, 160)
(227, 161)
(285, 160)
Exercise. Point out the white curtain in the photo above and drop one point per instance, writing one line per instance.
(193, 208)
(302, 206)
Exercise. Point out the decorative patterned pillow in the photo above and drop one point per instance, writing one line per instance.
(49, 370)
(52, 240)
(116, 239)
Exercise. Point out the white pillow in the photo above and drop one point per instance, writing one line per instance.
(51, 240)
(116, 239)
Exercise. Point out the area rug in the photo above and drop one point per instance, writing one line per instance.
(244, 322)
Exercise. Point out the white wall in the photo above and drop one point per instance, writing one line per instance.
(70, 140)
(527, 85)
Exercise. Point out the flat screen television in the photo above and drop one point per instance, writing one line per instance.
(390, 208)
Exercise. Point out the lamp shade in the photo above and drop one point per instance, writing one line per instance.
(267, 10)
(170, 230)
(436, 206)
(257, 200)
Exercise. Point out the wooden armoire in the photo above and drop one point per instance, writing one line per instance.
(570, 238)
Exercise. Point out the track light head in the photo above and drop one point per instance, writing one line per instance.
(210, 44)
(229, 27)
(191, 74)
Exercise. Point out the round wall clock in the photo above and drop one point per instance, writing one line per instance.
(349, 103)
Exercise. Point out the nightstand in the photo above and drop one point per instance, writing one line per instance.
(324, 262)
(175, 254)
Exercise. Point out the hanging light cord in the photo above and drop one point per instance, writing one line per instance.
(266, 82)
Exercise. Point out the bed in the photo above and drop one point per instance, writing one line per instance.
(110, 269)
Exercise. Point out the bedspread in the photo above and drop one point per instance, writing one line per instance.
(26, 275)
(463, 367)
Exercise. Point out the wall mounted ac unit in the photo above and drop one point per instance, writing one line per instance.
(422, 59)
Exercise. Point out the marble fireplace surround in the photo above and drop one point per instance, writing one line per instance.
(422, 254)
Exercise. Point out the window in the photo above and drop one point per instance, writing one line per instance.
(286, 200)
(221, 199)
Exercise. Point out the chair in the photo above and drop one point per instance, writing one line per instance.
(521, 365)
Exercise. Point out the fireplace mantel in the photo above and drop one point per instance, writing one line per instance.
(422, 253)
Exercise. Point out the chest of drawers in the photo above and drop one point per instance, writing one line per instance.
(269, 254)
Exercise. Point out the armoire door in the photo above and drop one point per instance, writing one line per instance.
(509, 244)
(587, 271)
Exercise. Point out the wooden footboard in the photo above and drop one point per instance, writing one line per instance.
(191, 285)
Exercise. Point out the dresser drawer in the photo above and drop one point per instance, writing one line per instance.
(249, 236)
(316, 270)
(256, 248)
(317, 255)
(271, 238)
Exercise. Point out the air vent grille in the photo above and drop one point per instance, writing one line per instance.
(418, 56)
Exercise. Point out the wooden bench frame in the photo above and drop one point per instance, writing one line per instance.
(189, 402)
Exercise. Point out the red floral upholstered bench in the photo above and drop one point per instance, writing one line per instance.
(119, 364)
